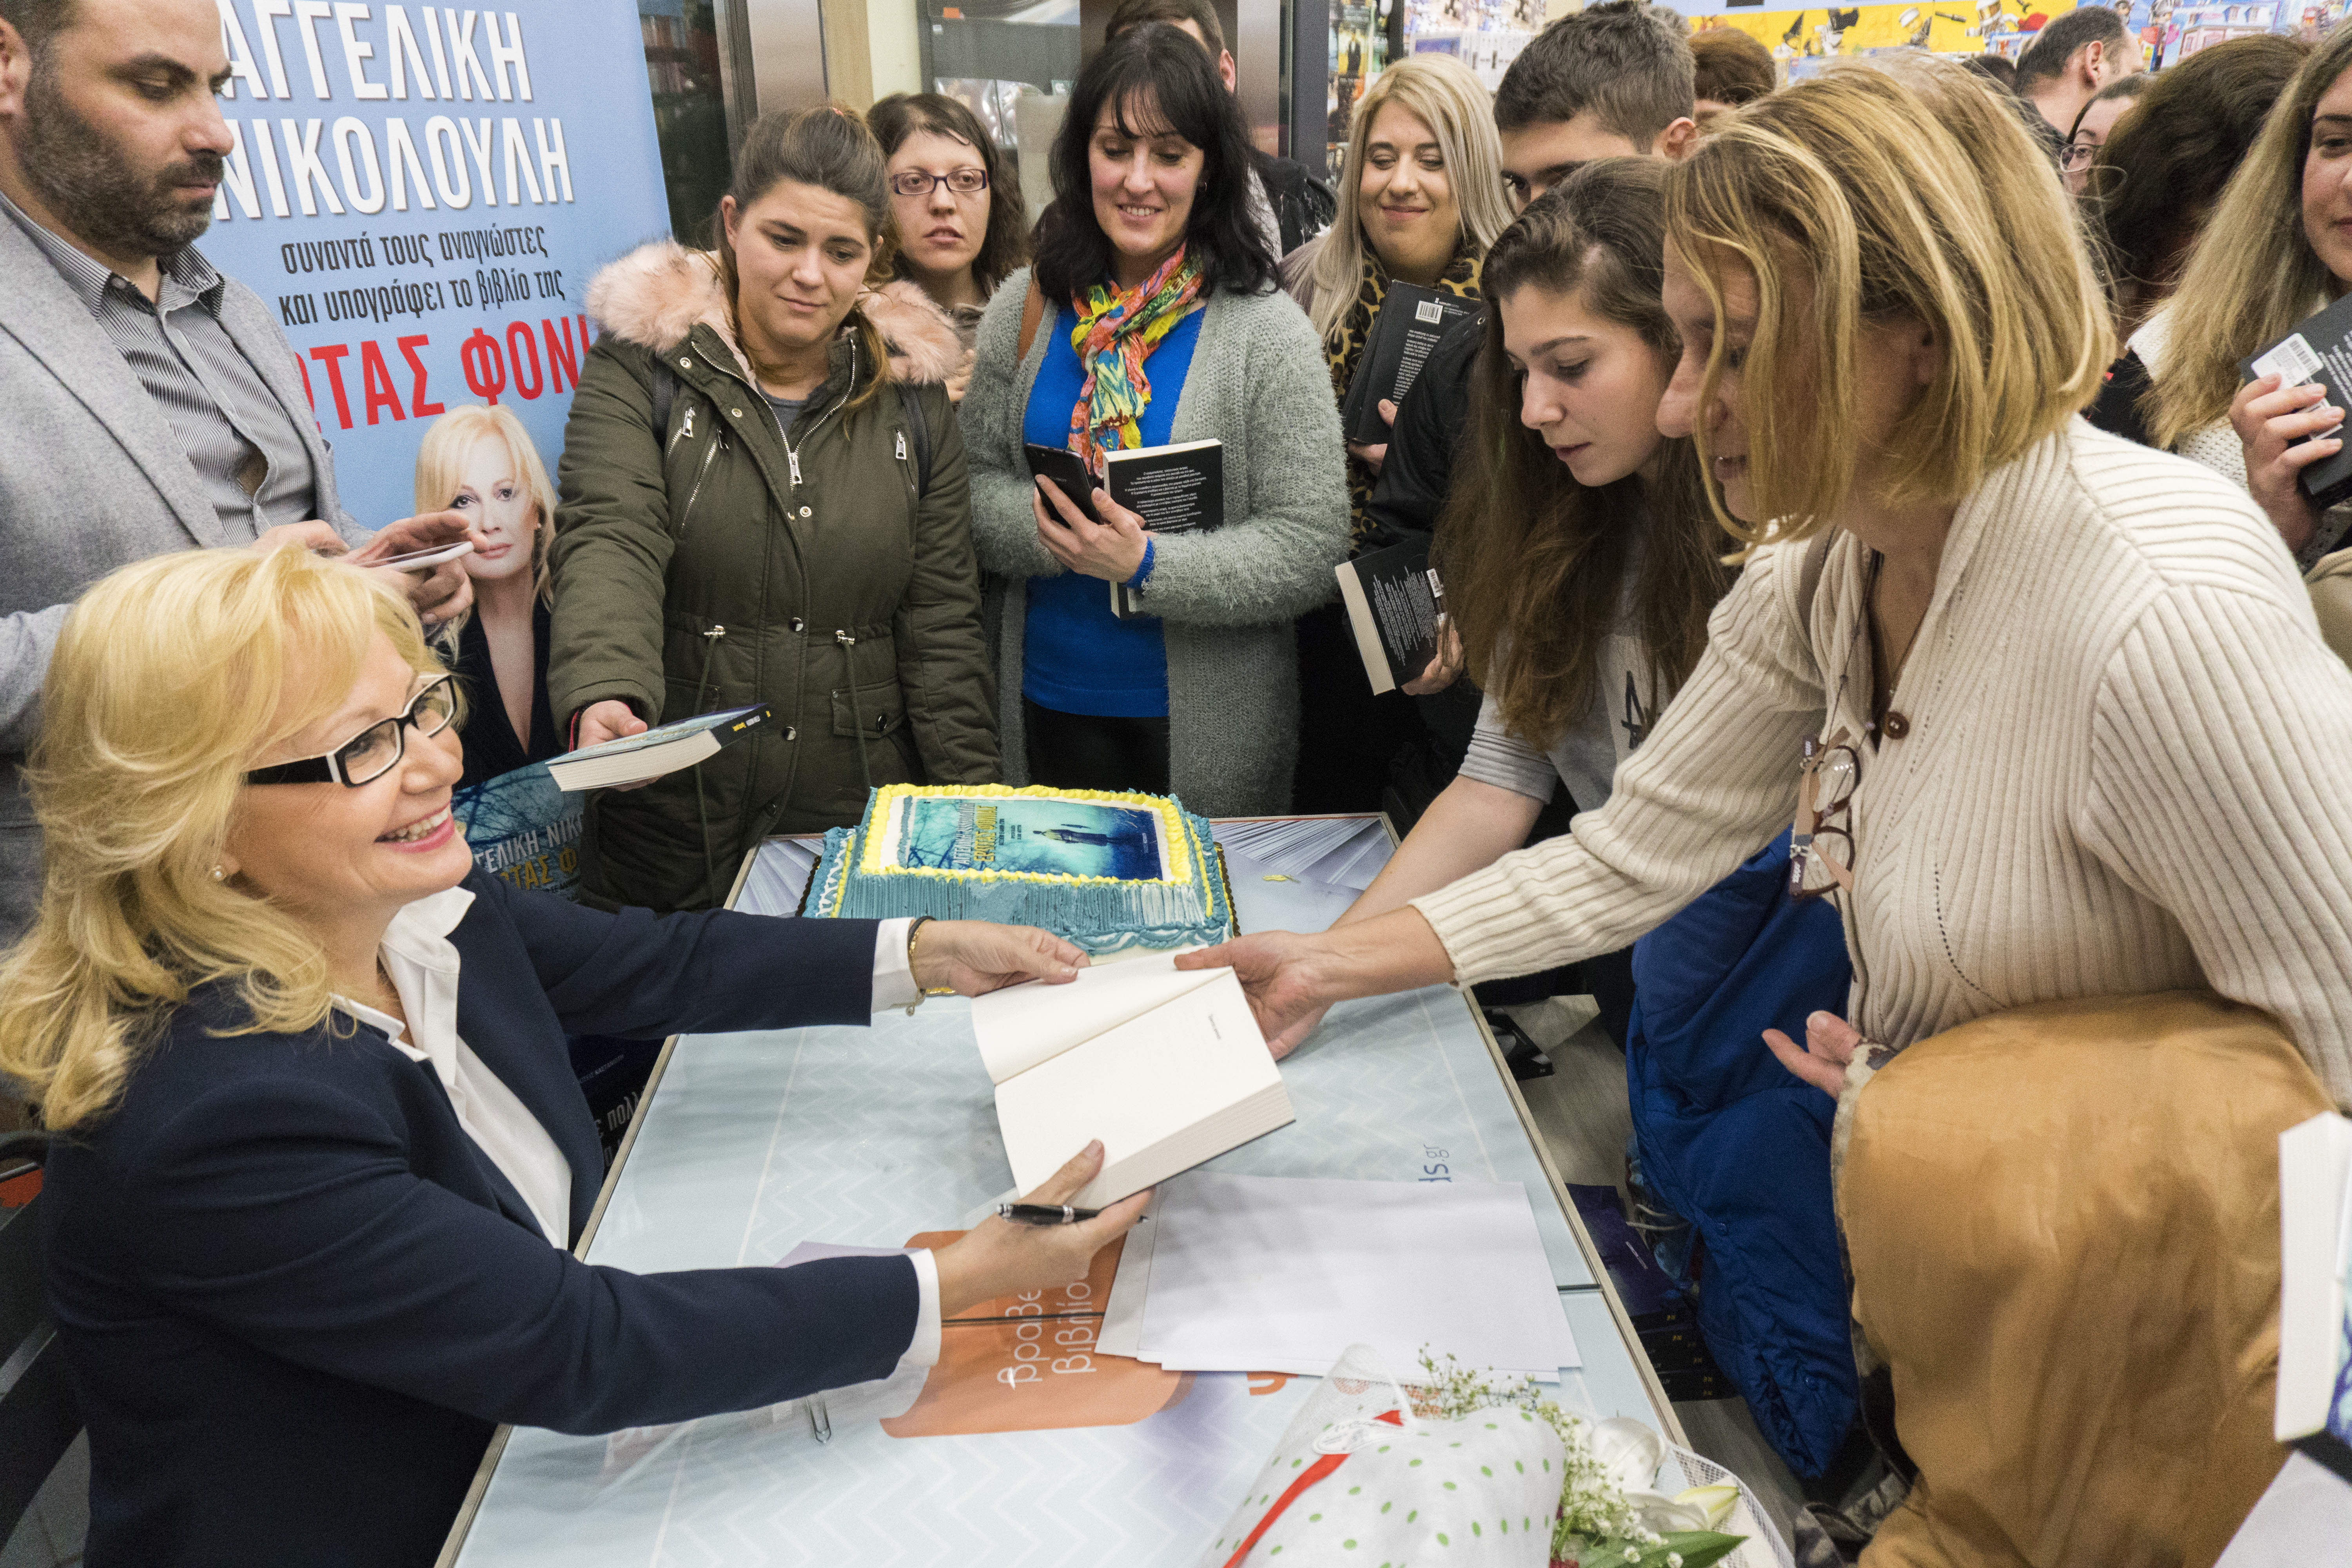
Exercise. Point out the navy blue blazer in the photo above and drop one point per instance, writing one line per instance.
(296, 1298)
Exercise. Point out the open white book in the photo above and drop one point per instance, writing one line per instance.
(1167, 1069)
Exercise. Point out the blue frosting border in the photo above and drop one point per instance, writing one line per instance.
(1097, 917)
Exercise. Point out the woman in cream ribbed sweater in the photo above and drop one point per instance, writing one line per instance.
(2103, 749)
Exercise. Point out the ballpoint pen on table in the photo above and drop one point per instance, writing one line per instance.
(1043, 1213)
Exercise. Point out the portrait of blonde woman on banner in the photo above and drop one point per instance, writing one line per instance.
(480, 463)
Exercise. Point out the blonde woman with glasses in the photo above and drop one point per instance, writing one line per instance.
(2060, 698)
(321, 1155)
(1420, 198)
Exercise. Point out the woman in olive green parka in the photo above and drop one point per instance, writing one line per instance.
(707, 559)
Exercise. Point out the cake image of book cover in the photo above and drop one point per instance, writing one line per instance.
(1040, 838)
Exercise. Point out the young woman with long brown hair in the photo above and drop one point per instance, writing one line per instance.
(763, 499)
(1580, 557)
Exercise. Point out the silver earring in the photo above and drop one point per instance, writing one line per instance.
(219, 875)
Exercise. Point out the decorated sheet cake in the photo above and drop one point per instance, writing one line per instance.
(1109, 871)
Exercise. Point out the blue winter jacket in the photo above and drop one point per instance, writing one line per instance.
(1734, 1142)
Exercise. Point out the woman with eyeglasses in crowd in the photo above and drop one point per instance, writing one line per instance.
(1999, 667)
(956, 218)
(2096, 124)
(1150, 318)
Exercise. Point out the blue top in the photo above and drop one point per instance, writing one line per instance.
(1076, 656)
(297, 1297)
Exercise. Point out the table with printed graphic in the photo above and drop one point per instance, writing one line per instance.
(748, 1144)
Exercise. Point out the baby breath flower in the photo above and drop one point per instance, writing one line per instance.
(1631, 1555)
(1674, 1560)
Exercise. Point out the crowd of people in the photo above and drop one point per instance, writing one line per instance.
(1863, 553)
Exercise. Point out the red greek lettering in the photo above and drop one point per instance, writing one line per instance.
(485, 367)
(331, 356)
(521, 346)
(376, 380)
(562, 358)
(416, 403)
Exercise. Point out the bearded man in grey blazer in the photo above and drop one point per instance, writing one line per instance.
(149, 403)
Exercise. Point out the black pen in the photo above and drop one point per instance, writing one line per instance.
(1043, 1213)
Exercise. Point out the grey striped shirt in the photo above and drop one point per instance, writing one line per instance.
(246, 451)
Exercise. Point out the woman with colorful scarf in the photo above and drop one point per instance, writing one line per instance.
(1152, 320)
(1420, 198)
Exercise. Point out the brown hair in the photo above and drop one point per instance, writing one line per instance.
(2252, 275)
(1730, 66)
(1133, 14)
(830, 148)
(2154, 184)
(1871, 205)
(1627, 64)
(1537, 564)
(1005, 245)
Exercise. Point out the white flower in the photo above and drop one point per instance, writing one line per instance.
(1674, 1560)
(1631, 1555)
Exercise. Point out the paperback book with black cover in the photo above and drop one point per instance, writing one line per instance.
(1412, 320)
(1178, 489)
(1395, 604)
(2318, 351)
(656, 753)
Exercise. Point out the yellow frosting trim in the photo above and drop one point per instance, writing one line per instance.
(1176, 832)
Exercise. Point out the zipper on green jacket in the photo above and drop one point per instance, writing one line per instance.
(718, 440)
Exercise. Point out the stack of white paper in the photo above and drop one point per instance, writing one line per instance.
(1269, 1274)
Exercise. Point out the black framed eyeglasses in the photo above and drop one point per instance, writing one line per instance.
(1821, 844)
(965, 182)
(374, 751)
(2077, 156)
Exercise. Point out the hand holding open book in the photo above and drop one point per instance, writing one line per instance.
(1167, 1068)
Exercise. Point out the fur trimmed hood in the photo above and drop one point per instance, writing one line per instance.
(657, 293)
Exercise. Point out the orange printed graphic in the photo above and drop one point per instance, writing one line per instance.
(1028, 1364)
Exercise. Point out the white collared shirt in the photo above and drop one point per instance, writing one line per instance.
(423, 964)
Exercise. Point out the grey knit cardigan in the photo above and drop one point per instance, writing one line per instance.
(1227, 599)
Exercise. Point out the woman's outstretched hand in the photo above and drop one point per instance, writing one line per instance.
(997, 1257)
(975, 957)
(1277, 971)
(1830, 1044)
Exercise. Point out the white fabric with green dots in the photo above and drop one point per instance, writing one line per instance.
(1475, 1493)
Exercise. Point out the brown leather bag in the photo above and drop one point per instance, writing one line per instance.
(2330, 582)
(2063, 1227)
(1032, 310)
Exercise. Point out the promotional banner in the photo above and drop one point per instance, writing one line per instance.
(422, 195)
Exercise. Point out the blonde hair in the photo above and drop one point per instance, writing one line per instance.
(2252, 275)
(1440, 90)
(1889, 209)
(440, 470)
(169, 679)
